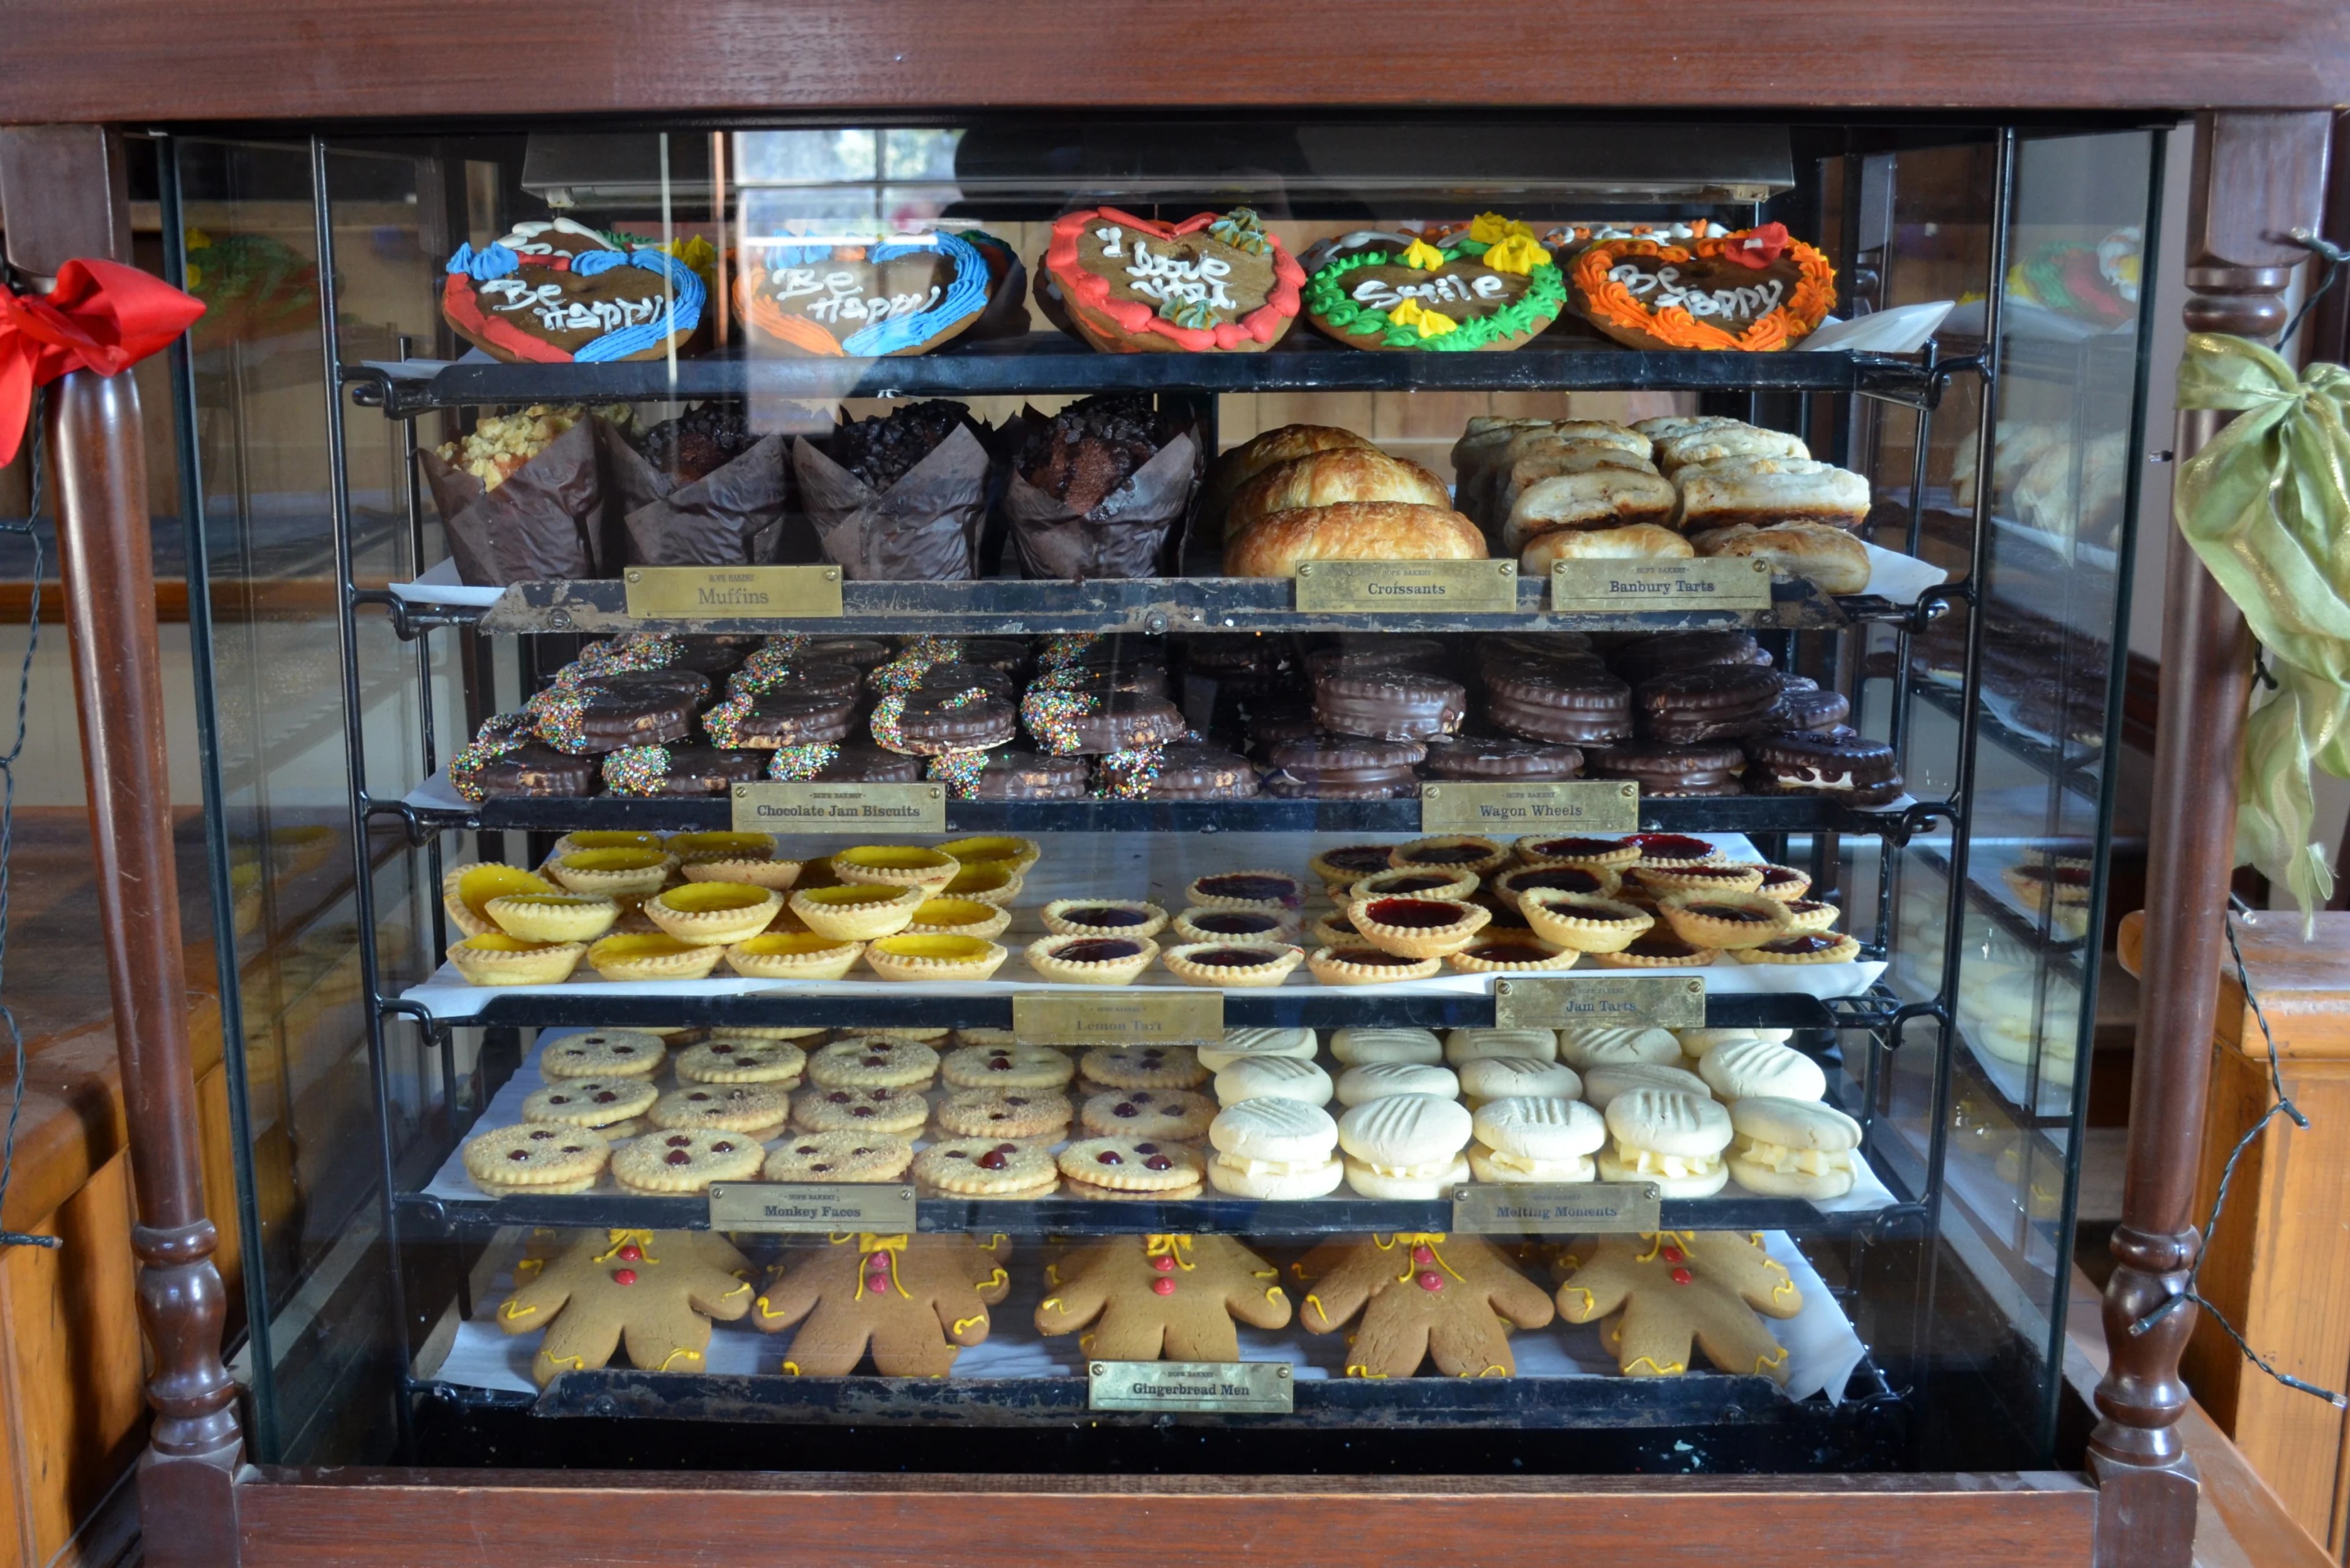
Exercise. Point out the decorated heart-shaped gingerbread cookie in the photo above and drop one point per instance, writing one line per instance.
(558, 292)
(865, 301)
(1491, 288)
(1216, 281)
(1755, 289)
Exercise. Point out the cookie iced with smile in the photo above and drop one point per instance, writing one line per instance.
(1492, 287)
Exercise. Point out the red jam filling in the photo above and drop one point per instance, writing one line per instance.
(1445, 855)
(1510, 952)
(1235, 923)
(1358, 858)
(1661, 945)
(1104, 916)
(1414, 914)
(1254, 890)
(1097, 950)
(1671, 847)
(1233, 958)
(1374, 958)
(1726, 912)
(1779, 877)
(1565, 878)
(1578, 849)
(1795, 947)
(1805, 906)
(992, 1160)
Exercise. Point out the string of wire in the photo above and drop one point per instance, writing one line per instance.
(2280, 1105)
(29, 526)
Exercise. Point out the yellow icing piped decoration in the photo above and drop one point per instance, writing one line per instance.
(1052, 1303)
(513, 1309)
(1272, 1293)
(1767, 1360)
(1518, 253)
(737, 1290)
(760, 1306)
(1589, 1301)
(620, 1239)
(1314, 1304)
(1421, 256)
(964, 1323)
(1667, 1369)
(673, 1355)
(1176, 1247)
(1431, 1239)
(997, 1278)
(1364, 1371)
(570, 1362)
(791, 1370)
(1493, 229)
(1420, 319)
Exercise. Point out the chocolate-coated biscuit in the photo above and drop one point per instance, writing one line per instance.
(862, 762)
(1576, 705)
(1015, 775)
(1188, 770)
(1669, 771)
(1393, 703)
(1267, 731)
(1804, 706)
(1377, 653)
(936, 719)
(960, 676)
(534, 772)
(1008, 655)
(1346, 758)
(787, 716)
(681, 770)
(1863, 771)
(1671, 650)
(1711, 702)
(1488, 757)
(634, 707)
(860, 652)
(1092, 722)
(1247, 656)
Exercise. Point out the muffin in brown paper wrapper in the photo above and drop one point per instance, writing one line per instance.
(923, 528)
(731, 516)
(546, 520)
(1135, 530)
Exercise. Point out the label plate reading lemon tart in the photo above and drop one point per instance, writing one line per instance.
(1555, 1208)
(1156, 1017)
(1244, 1387)
(1589, 1001)
(1407, 587)
(749, 593)
(1692, 583)
(886, 1207)
(1600, 807)
(840, 807)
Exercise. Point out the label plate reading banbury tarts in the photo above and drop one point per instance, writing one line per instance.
(719, 593)
(1533, 805)
(1230, 1387)
(1407, 587)
(1556, 1209)
(840, 807)
(1594, 1001)
(1691, 583)
(1160, 1016)
(886, 1207)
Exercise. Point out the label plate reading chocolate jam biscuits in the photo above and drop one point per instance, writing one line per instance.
(840, 807)
(885, 1207)
(1555, 1208)
(1407, 587)
(1157, 1017)
(1246, 1387)
(1604, 806)
(1583, 1002)
(751, 593)
(1693, 583)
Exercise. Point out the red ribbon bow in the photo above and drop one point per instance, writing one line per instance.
(101, 317)
(1757, 247)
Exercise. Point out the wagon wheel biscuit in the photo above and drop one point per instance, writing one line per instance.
(655, 1292)
(1675, 1287)
(1149, 1297)
(1450, 1299)
(1755, 289)
(914, 1299)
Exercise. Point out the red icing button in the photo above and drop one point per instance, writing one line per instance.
(1164, 1265)
(1423, 1256)
(632, 1254)
(1672, 1254)
(1429, 1279)
(1682, 1276)
(624, 1276)
(1164, 1287)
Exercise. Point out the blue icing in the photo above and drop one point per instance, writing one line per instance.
(492, 260)
(683, 315)
(587, 264)
(965, 295)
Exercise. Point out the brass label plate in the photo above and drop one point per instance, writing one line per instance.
(1233, 1387)
(1407, 587)
(1696, 583)
(812, 1207)
(1556, 1209)
(1535, 806)
(1593, 1001)
(840, 807)
(1160, 1016)
(724, 593)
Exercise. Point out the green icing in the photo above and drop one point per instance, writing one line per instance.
(1327, 299)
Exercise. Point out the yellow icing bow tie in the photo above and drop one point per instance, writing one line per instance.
(1410, 1241)
(620, 1239)
(1176, 1247)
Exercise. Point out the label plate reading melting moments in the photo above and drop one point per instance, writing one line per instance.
(840, 807)
(816, 1207)
(1580, 805)
(1242, 1387)
(1695, 583)
(715, 593)
(1585, 1002)
(1155, 1017)
(1556, 1209)
(1407, 587)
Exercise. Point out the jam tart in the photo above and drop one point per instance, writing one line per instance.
(1717, 877)
(1129, 918)
(1671, 849)
(1336, 930)
(1510, 952)
(1197, 925)
(1255, 889)
(1585, 921)
(1596, 881)
(1573, 850)
(1413, 882)
(1784, 883)
(1231, 963)
(1811, 915)
(1657, 950)
(1342, 867)
(1092, 961)
(1723, 921)
(1363, 965)
(1803, 946)
(1416, 927)
(1452, 852)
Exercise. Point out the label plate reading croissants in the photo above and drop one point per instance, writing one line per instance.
(724, 593)
(1248, 1388)
(841, 807)
(1533, 805)
(1159, 1016)
(814, 1207)
(1689, 583)
(1407, 587)
(1595, 1001)
(1555, 1208)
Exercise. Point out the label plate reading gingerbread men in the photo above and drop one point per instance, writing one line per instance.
(1226, 1388)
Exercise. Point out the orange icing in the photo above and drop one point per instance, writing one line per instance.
(1607, 301)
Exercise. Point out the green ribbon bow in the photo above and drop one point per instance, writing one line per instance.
(2266, 505)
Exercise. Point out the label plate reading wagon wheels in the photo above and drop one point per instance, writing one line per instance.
(1585, 1002)
(1600, 807)
(1407, 587)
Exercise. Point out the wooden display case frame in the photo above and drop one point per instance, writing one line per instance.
(72, 75)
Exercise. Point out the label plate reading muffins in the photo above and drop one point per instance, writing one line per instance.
(1692, 583)
(1589, 1001)
(721, 593)
(1407, 587)
(1556, 1209)
(1156, 1017)
(1599, 806)
(1243, 1387)
(840, 807)
(812, 1207)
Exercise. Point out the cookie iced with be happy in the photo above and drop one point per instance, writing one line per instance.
(557, 292)
(876, 300)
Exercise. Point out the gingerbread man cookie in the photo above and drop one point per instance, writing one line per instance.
(1426, 1296)
(1675, 1287)
(915, 1300)
(1153, 1296)
(656, 1291)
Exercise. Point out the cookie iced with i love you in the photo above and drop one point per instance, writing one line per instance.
(1214, 283)
(558, 292)
(1490, 287)
(864, 301)
(1756, 289)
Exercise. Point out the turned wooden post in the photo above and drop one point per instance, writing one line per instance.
(2256, 177)
(63, 194)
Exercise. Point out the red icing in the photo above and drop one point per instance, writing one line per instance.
(1682, 1276)
(1672, 1254)
(1757, 248)
(624, 1276)
(631, 1253)
(1091, 290)
(458, 301)
(1164, 1287)
(1423, 1256)
(1429, 1279)
(1163, 1264)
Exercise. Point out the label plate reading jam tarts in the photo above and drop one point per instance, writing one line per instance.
(885, 1207)
(1605, 806)
(1242, 1387)
(1157, 1017)
(840, 807)
(1585, 1002)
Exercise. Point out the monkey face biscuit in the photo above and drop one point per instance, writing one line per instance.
(1144, 1067)
(1168, 1114)
(986, 1168)
(732, 1060)
(873, 1061)
(1021, 1114)
(730, 1107)
(604, 1054)
(1131, 1168)
(1007, 1067)
(590, 1102)
(681, 1161)
(889, 1110)
(839, 1156)
(1274, 1149)
(536, 1158)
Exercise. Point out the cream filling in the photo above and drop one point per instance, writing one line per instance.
(1432, 1170)
(1790, 1162)
(1533, 1165)
(1247, 1166)
(1649, 1162)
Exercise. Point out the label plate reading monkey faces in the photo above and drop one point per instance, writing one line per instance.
(818, 1208)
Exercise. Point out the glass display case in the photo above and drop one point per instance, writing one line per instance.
(1207, 880)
